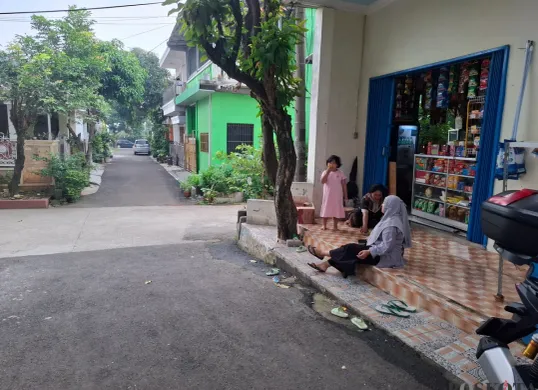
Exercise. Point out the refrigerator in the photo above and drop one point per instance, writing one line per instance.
(405, 159)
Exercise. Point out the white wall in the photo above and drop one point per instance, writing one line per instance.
(335, 84)
(410, 33)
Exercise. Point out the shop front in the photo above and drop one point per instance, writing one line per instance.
(437, 129)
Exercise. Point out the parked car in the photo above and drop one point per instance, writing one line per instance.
(141, 146)
(124, 143)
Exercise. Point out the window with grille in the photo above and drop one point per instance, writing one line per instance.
(239, 134)
(204, 142)
(192, 61)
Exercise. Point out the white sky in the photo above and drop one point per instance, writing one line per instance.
(120, 23)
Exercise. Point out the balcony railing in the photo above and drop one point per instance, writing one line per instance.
(171, 92)
(8, 152)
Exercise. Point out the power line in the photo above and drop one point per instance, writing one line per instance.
(79, 9)
(166, 40)
(140, 33)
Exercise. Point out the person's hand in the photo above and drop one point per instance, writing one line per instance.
(331, 166)
(363, 254)
(364, 230)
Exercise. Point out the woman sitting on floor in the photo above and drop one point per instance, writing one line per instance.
(369, 212)
(384, 247)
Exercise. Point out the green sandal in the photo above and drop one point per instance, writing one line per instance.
(340, 312)
(301, 249)
(359, 323)
(391, 311)
(402, 306)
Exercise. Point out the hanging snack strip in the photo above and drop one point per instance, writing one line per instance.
(442, 88)
(473, 80)
(484, 77)
(429, 90)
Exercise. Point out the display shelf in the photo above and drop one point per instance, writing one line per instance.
(432, 199)
(436, 173)
(442, 206)
(430, 185)
(441, 220)
(446, 157)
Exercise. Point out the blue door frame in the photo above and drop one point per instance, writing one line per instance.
(379, 123)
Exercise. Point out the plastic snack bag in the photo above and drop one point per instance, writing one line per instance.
(516, 163)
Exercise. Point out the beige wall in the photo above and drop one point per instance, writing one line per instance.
(335, 84)
(410, 33)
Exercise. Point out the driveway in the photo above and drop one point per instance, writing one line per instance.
(131, 180)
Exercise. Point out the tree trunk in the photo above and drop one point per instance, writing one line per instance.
(78, 142)
(19, 164)
(89, 152)
(300, 122)
(270, 161)
(286, 212)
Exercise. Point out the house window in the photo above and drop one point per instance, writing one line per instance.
(204, 142)
(239, 134)
(182, 135)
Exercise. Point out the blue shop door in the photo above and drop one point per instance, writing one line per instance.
(378, 127)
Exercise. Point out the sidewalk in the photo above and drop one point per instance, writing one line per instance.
(436, 340)
(95, 180)
(176, 172)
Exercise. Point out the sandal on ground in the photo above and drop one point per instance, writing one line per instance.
(313, 265)
(312, 251)
(301, 249)
(340, 312)
(402, 306)
(359, 323)
(391, 311)
(273, 272)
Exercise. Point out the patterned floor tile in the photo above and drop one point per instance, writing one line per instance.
(454, 280)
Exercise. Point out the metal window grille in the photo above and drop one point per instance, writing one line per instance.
(239, 134)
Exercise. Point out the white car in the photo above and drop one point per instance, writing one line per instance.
(141, 146)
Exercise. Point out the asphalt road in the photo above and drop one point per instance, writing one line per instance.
(209, 319)
(131, 180)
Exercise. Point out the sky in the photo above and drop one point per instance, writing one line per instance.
(131, 25)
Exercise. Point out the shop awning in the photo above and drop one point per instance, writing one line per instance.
(192, 94)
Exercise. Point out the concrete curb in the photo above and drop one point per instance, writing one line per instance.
(95, 180)
(12, 204)
(287, 259)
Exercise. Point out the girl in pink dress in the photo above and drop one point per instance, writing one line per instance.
(334, 192)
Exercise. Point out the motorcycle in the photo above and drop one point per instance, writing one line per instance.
(511, 220)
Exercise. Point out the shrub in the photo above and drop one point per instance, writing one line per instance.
(101, 143)
(247, 172)
(71, 175)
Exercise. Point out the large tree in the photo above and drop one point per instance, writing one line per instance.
(253, 41)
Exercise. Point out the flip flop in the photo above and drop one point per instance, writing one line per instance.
(301, 249)
(359, 323)
(391, 311)
(340, 312)
(402, 306)
(273, 272)
(312, 251)
(313, 265)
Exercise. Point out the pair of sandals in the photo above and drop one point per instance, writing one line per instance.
(396, 308)
(312, 251)
(342, 313)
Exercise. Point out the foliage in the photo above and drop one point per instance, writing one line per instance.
(101, 144)
(158, 141)
(5, 177)
(248, 174)
(194, 180)
(434, 133)
(253, 41)
(185, 185)
(216, 178)
(71, 175)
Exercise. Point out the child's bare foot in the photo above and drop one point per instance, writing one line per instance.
(324, 228)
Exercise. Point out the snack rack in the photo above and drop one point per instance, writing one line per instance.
(426, 191)
(473, 128)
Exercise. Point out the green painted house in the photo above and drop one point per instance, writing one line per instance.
(209, 112)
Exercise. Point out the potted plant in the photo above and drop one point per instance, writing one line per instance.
(209, 195)
(186, 188)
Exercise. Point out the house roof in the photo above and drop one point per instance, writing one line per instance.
(177, 39)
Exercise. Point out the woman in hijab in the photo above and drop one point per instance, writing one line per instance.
(384, 247)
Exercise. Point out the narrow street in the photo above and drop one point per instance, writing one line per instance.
(135, 288)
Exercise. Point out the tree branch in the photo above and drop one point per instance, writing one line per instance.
(238, 16)
(252, 22)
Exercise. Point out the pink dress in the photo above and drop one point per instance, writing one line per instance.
(333, 196)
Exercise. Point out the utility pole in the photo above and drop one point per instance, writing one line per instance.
(300, 123)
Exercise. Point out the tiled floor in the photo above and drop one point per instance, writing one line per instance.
(455, 280)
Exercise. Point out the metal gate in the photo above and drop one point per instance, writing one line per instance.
(190, 155)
